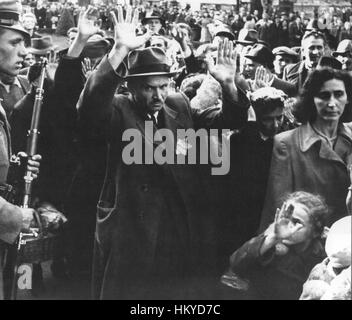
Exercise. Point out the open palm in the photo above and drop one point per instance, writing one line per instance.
(86, 26)
(125, 29)
(224, 70)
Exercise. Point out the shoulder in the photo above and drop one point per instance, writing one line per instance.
(292, 67)
(286, 137)
(177, 101)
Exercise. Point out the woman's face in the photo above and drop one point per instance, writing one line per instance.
(331, 100)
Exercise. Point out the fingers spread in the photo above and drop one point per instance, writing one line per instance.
(120, 15)
(128, 15)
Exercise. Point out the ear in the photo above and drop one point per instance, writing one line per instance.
(325, 233)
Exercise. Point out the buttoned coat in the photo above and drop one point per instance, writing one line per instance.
(133, 199)
(302, 161)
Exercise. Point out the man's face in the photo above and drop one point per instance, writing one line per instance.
(280, 62)
(270, 123)
(28, 23)
(152, 92)
(158, 42)
(72, 36)
(312, 49)
(249, 68)
(12, 52)
(346, 60)
(29, 60)
(154, 25)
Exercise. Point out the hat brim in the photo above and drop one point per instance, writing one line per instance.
(245, 42)
(145, 20)
(41, 51)
(169, 74)
(337, 53)
(18, 28)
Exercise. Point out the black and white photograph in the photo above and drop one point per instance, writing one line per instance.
(175, 154)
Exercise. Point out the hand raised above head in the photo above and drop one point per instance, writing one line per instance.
(225, 68)
(125, 29)
(87, 25)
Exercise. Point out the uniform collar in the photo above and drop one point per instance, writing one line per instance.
(7, 86)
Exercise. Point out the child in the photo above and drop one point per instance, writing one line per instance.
(277, 262)
(331, 279)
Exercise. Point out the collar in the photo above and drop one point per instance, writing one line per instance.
(7, 86)
(308, 137)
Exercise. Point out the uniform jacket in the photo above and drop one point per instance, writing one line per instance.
(10, 215)
(301, 161)
(133, 200)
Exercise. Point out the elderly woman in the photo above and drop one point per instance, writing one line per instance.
(316, 156)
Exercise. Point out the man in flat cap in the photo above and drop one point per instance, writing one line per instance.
(156, 233)
(283, 57)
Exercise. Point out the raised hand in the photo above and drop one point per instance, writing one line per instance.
(125, 29)
(283, 227)
(224, 69)
(263, 78)
(87, 23)
(87, 67)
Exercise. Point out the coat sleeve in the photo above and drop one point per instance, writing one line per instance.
(11, 221)
(232, 115)
(289, 88)
(280, 182)
(248, 256)
(95, 105)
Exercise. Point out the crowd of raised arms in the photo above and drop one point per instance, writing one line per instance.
(183, 154)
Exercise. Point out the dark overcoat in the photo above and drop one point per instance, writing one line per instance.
(134, 201)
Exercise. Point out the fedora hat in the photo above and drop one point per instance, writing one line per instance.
(247, 37)
(96, 47)
(41, 46)
(261, 54)
(10, 11)
(344, 46)
(151, 61)
(224, 31)
(152, 17)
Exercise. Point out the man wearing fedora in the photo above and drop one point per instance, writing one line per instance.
(155, 23)
(156, 233)
(12, 53)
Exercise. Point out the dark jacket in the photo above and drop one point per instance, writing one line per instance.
(274, 277)
(293, 79)
(136, 199)
(249, 173)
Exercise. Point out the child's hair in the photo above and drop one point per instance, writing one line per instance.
(317, 208)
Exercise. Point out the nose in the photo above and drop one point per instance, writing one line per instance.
(22, 50)
(157, 94)
(332, 101)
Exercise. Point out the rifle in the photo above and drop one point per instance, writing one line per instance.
(32, 144)
(33, 134)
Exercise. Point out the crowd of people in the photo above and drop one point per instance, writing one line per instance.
(277, 225)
